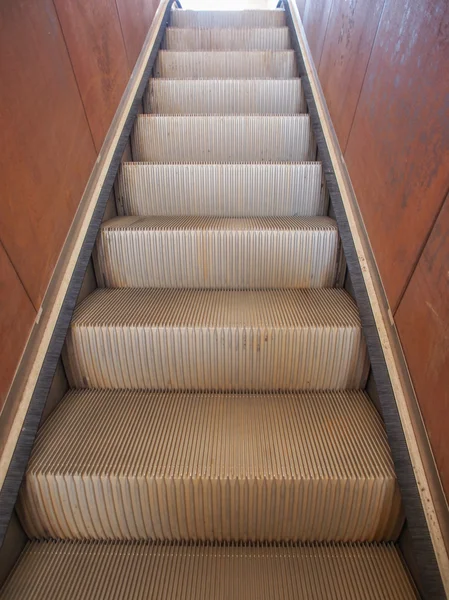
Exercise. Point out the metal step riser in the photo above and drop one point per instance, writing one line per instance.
(226, 65)
(170, 253)
(216, 340)
(222, 96)
(187, 40)
(227, 139)
(213, 467)
(225, 190)
(225, 19)
(129, 570)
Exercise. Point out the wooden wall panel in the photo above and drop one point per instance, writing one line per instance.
(398, 149)
(47, 149)
(95, 43)
(136, 17)
(16, 320)
(347, 47)
(423, 325)
(316, 16)
(301, 4)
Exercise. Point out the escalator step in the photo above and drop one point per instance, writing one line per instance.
(226, 190)
(186, 40)
(126, 570)
(225, 96)
(226, 65)
(223, 139)
(311, 466)
(218, 253)
(227, 18)
(216, 340)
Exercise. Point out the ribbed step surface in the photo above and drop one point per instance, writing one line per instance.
(226, 190)
(218, 253)
(165, 139)
(225, 96)
(226, 65)
(139, 465)
(100, 571)
(227, 18)
(227, 39)
(217, 340)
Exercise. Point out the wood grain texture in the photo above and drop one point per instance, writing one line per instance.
(398, 149)
(95, 43)
(423, 324)
(350, 36)
(16, 319)
(47, 147)
(135, 18)
(315, 17)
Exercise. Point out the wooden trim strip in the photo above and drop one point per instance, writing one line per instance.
(423, 496)
(26, 400)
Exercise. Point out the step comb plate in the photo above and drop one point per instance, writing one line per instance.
(265, 64)
(224, 96)
(228, 18)
(268, 467)
(223, 139)
(211, 253)
(186, 40)
(166, 571)
(225, 190)
(216, 340)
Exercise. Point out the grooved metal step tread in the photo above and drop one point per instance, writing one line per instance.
(216, 64)
(216, 340)
(224, 138)
(225, 96)
(127, 570)
(218, 253)
(272, 38)
(227, 190)
(228, 18)
(275, 467)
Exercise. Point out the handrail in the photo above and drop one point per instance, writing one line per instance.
(422, 492)
(29, 391)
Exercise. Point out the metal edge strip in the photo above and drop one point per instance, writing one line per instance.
(37, 368)
(422, 494)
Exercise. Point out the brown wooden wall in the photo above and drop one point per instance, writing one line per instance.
(64, 65)
(384, 66)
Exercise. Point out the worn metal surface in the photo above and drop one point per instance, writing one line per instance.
(227, 190)
(226, 65)
(274, 467)
(227, 18)
(223, 139)
(273, 38)
(250, 572)
(218, 253)
(225, 96)
(216, 340)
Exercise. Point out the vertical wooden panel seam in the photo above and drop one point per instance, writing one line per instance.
(36, 310)
(421, 251)
(123, 37)
(18, 276)
(325, 35)
(75, 77)
(364, 77)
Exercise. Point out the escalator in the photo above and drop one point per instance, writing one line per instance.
(217, 440)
